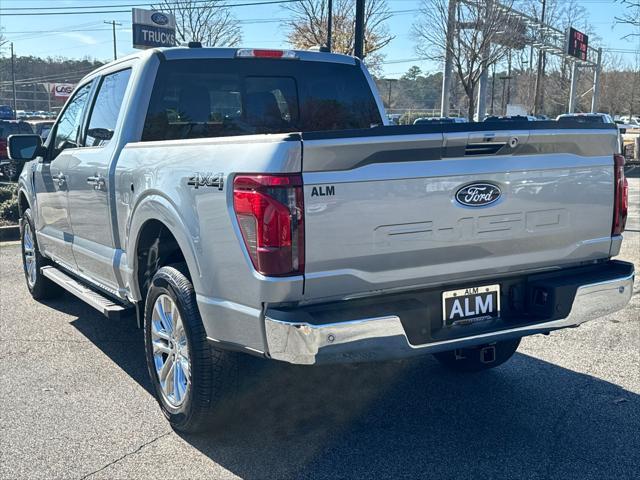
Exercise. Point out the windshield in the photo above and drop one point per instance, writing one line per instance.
(224, 97)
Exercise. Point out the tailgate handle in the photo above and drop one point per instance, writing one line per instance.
(485, 148)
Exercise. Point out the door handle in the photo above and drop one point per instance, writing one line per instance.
(60, 179)
(98, 182)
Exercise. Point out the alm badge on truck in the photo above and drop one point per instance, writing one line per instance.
(478, 194)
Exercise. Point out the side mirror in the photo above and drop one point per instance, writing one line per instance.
(100, 133)
(25, 147)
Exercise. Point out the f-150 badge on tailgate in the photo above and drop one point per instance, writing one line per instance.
(478, 194)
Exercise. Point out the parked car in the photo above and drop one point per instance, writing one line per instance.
(6, 113)
(586, 117)
(41, 127)
(240, 201)
(439, 120)
(511, 118)
(594, 118)
(10, 169)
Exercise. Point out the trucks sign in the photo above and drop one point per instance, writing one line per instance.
(153, 29)
(578, 44)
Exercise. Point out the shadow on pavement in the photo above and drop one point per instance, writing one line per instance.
(413, 419)
(121, 341)
(410, 419)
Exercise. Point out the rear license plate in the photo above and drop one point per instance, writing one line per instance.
(469, 305)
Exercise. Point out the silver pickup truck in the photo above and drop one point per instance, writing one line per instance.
(254, 201)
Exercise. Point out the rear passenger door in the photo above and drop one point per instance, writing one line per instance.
(90, 183)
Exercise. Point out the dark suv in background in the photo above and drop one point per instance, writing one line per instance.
(10, 169)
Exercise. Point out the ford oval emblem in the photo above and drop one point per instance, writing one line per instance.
(478, 194)
(159, 18)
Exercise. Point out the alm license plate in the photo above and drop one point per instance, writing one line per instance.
(469, 305)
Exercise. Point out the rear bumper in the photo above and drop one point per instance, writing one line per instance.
(384, 337)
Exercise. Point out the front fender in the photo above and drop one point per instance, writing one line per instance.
(155, 206)
(26, 189)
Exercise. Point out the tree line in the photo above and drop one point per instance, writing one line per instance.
(485, 38)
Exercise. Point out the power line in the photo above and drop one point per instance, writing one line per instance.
(87, 7)
(31, 11)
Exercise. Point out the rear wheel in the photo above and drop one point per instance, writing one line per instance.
(477, 359)
(39, 286)
(193, 382)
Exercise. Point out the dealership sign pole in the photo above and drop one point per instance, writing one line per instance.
(153, 29)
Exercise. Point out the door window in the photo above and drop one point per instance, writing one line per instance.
(68, 129)
(106, 109)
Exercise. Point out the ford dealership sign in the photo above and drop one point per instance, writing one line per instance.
(153, 29)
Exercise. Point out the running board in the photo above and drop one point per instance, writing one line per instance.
(103, 304)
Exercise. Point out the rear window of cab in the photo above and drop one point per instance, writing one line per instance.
(226, 97)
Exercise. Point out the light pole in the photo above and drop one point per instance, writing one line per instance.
(358, 48)
(329, 25)
(538, 96)
(13, 78)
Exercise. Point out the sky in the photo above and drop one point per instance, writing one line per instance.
(78, 36)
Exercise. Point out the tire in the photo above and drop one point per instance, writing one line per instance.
(477, 359)
(40, 287)
(199, 392)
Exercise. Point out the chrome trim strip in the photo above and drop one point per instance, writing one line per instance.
(383, 338)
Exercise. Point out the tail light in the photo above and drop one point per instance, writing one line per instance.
(270, 213)
(621, 198)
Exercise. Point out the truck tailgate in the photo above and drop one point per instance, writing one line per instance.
(382, 213)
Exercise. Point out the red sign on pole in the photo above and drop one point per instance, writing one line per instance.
(578, 44)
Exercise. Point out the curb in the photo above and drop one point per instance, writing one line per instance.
(10, 233)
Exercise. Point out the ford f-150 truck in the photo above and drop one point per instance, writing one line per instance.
(255, 201)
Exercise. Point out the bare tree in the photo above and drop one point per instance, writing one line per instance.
(307, 26)
(631, 16)
(209, 22)
(481, 39)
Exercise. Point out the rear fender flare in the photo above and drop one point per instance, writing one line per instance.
(157, 207)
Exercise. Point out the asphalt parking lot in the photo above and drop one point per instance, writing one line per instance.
(75, 404)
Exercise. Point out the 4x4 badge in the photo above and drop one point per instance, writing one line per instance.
(206, 180)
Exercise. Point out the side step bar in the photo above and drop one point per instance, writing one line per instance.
(104, 305)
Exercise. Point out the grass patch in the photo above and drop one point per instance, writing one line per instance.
(9, 205)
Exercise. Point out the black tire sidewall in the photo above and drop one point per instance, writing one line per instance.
(36, 289)
(163, 283)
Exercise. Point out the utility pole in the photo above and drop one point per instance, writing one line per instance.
(448, 60)
(481, 105)
(596, 83)
(13, 78)
(359, 40)
(573, 93)
(329, 25)
(537, 97)
(113, 24)
(389, 83)
(493, 88)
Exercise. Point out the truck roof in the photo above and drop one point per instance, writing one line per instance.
(184, 52)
